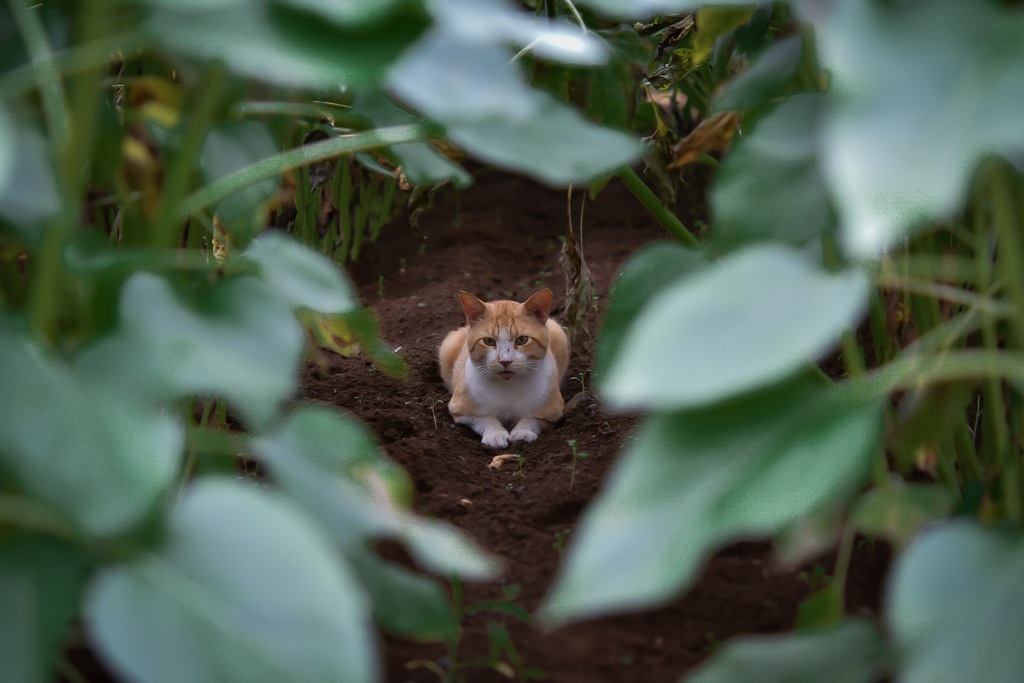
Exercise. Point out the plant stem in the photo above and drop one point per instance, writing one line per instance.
(273, 166)
(44, 71)
(668, 220)
(168, 222)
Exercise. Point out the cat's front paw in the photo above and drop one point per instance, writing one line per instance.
(495, 438)
(522, 434)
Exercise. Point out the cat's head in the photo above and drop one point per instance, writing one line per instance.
(507, 339)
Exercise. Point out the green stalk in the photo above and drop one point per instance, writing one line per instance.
(668, 220)
(915, 371)
(1010, 264)
(168, 221)
(44, 72)
(273, 166)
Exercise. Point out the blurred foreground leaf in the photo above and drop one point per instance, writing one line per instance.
(40, 583)
(769, 186)
(749, 320)
(852, 653)
(333, 466)
(245, 345)
(956, 605)
(100, 457)
(745, 468)
(303, 278)
(244, 589)
(919, 92)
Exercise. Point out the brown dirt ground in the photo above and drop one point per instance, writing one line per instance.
(501, 239)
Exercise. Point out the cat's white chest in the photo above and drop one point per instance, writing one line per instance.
(521, 396)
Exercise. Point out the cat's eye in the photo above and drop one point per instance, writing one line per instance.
(522, 340)
(489, 341)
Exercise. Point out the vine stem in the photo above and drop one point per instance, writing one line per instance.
(668, 220)
(272, 166)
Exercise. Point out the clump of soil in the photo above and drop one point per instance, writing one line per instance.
(501, 239)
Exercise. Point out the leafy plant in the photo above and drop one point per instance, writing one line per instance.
(138, 138)
(831, 228)
(503, 656)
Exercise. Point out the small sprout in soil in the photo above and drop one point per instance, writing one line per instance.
(816, 579)
(511, 591)
(582, 379)
(433, 411)
(711, 641)
(520, 461)
(576, 455)
(380, 287)
(560, 537)
(401, 265)
(508, 487)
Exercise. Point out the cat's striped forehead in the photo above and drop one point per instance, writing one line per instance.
(507, 317)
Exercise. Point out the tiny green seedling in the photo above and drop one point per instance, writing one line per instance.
(582, 379)
(711, 641)
(433, 411)
(560, 537)
(520, 461)
(380, 287)
(815, 579)
(576, 455)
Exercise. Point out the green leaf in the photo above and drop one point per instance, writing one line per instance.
(715, 22)
(648, 272)
(694, 481)
(300, 276)
(770, 187)
(281, 45)
(852, 653)
(766, 78)
(751, 319)
(331, 464)
(896, 513)
(347, 12)
(228, 148)
(821, 609)
(244, 589)
(422, 164)
(557, 146)
(405, 604)
(40, 583)
(956, 605)
(499, 22)
(939, 76)
(100, 457)
(491, 112)
(246, 348)
(645, 9)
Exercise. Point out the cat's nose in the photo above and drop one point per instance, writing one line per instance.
(505, 363)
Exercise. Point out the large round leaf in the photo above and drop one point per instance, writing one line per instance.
(770, 187)
(694, 481)
(852, 653)
(249, 352)
(956, 606)
(305, 279)
(750, 320)
(245, 589)
(97, 454)
(920, 91)
(332, 465)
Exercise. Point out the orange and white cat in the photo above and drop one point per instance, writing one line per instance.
(504, 368)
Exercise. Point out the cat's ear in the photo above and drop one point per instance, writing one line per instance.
(539, 305)
(474, 308)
